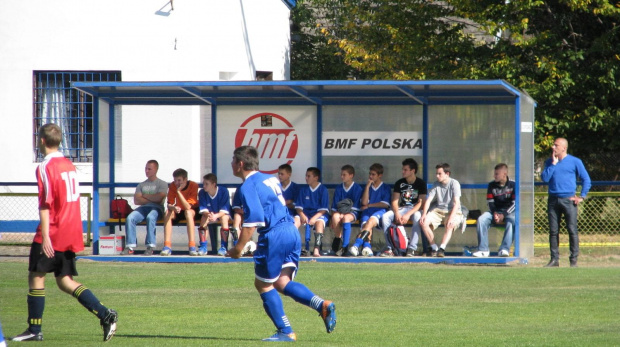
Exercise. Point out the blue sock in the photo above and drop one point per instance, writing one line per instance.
(272, 303)
(36, 305)
(358, 243)
(1, 336)
(300, 293)
(346, 235)
(90, 301)
(367, 244)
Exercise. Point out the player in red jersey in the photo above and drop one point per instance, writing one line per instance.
(58, 237)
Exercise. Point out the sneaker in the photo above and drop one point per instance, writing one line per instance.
(222, 251)
(305, 253)
(108, 323)
(354, 251)
(340, 252)
(148, 251)
(430, 252)
(410, 252)
(28, 336)
(192, 251)
(166, 251)
(441, 253)
(282, 337)
(503, 253)
(127, 251)
(481, 254)
(328, 313)
(387, 253)
(202, 250)
(463, 224)
(367, 252)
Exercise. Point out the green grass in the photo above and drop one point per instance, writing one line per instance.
(377, 305)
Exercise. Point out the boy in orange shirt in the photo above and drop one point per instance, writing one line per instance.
(182, 200)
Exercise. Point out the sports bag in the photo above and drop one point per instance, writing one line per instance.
(344, 206)
(397, 239)
(119, 208)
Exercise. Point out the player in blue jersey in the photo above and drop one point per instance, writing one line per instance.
(277, 255)
(214, 202)
(312, 205)
(375, 202)
(343, 213)
(290, 190)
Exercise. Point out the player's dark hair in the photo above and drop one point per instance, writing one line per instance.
(52, 134)
(179, 173)
(248, 155)
(211, 177)
(349, 169)
(501, 166)
(444, 166)
(154, 162)
(413, 165)
(315, 171)
(285, 167)
(376, 167)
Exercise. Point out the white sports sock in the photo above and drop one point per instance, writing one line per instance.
(443, 246)
(434, 247)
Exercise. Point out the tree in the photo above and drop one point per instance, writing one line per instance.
(564, 53)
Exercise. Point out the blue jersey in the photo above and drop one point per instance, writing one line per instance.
(354, 193)
(220, 202)
(236, 201)
(263, 202)
(310, 201)
(383, 194)
(290, 192)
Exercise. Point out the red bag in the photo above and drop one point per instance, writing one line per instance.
(119, 208)
(398, 239)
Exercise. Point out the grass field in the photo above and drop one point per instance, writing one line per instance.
(377, 305)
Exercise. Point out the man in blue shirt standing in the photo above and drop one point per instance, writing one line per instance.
(561, 172)
(277, 254)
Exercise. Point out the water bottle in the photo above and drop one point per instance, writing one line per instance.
(466, 252)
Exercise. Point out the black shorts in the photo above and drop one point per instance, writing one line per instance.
(62, 264)
(180, 217)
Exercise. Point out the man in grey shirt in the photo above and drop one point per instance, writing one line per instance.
(443, 205)
(149, 196)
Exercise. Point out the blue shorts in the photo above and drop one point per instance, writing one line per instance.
(377, 214)
(277, 249)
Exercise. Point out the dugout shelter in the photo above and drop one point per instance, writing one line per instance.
(472, 125)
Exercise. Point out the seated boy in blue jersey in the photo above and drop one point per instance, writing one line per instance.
(214, 204)
(290, 190)
(375, 202)
(277, 255)
(312, 205)
(341, 218)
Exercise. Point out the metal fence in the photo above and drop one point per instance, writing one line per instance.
(598, 220)
(599, 224)
(19, 217)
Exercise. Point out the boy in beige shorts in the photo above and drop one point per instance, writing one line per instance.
(443, 205)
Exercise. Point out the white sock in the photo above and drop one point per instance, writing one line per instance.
(443, 246)
(434, 247)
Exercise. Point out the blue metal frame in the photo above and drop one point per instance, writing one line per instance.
(317, 93)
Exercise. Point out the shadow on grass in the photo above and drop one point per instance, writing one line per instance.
(176, 337)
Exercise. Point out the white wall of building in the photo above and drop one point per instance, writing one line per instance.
(200, 40)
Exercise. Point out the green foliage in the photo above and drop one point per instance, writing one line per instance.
(377, 304)
(563, 53)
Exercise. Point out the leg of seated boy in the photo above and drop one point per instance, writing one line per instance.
(168, 218)
(347, 219)
(189, 219)
(337, 229)
(319, 227)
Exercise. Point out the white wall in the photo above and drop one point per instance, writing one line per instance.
(200, 40)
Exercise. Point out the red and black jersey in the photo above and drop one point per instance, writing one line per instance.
(59, 193)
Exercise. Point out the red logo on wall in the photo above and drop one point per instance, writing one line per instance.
(273, 136)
